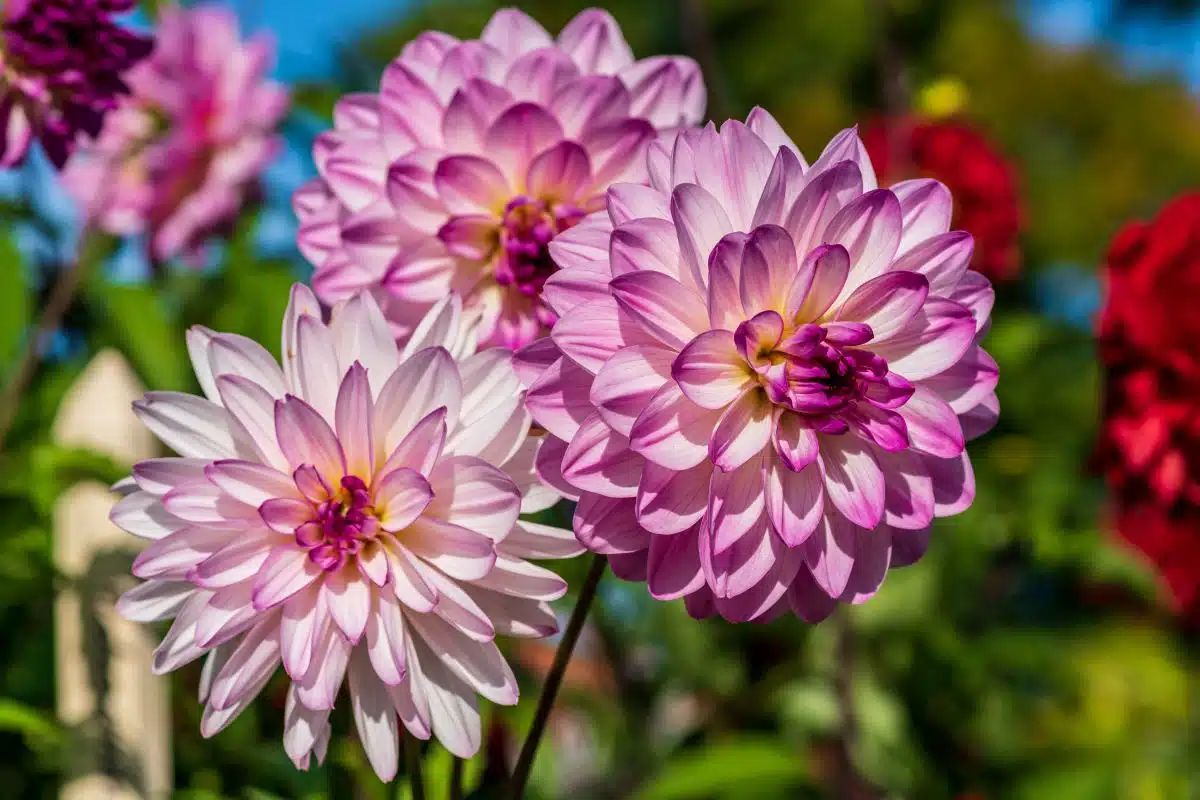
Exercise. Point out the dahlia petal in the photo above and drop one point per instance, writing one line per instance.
(767, 128)
(457, 607)
(925, 207)
(238, 560)
(205, 504)
(514, 32)
(725, 310)
(479, 665)
(598, 459)
(170, 557)
(214, 720)
(629, 201)
(349, 601)
(665, 308)
(473, 107)
(198, 338)
(909, 502)
(519, 578)
(822, 274)
(768, 268)
(471, 185)
(933, 427)
(248, 481)
(570, 287)
(496, 437)
(738, 569)
(533, 540)
(743, 430)
(178, 646)
(411, 698)
(646, 244)
(459, 552)
(331, 654)
(548, 465)
(885, 428)
(374, 717)
(440, 327)
(667, 90)
(908, 546)
(673, 566)
(588, 103)
(826, 194)
(520, 133)
(672, 431)
(228, 614)
(304, 731)
(596, 330)
(453, 708)
(427, 381)
(286, 514)
(353, 417)
(287, 570)
(830, 553)
(594, 41)
(795, 442)
(386, 636)
(301, 303)
(853, 480)
(953, 483)
(976, 293)
(630, 566)
(733, 164)
(408, 578)
(471, 236)
(700, 222)
(516, 616)
(559, 172)
(783, 186)
(253, 408)
(886, 303)
(560, 399)
(808, 600)
(237, 355)
(627, 381)
(470, 492)
(872, 555)
(154, 600)
(360, 333)
(735, 504)
(966, 384)
(608, 525)
(765, 600)
(317, 374)
(933, 341)
(489, 381)
(143, 515)
(982, 418)
(539, 75)
(847, 146)
(422, 447)
(298, 629)
(869, 227)
(191, 426)
(942, 259)
(670, 502)
(306, 438)
(400, 497)
(251, 663)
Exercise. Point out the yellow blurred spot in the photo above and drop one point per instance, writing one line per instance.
(1013, 455)
(944, 97)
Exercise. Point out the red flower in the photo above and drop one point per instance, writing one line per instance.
(986, 203)
(1149, 446)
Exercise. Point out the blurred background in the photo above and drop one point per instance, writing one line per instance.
(1032, 654)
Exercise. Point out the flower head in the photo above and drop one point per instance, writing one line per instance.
(353, 516)
(1149, 437)
(763, 374)
(61, 67)
(474, 155)
(987, 203)
(179, 157)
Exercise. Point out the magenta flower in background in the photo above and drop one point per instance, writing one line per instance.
(473, 156)
(61, 68)
(353, 516)
(763, 374)
(180, 157)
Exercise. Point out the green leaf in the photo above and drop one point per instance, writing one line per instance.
(41, 732)
(14, 304)
(765, 764)
(136, 319)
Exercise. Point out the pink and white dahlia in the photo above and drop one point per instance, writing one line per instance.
(353, 516)
(473, 156)
(182, 154)
(763, 373)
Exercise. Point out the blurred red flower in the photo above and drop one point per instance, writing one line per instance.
(982, 181)
(1149, 338)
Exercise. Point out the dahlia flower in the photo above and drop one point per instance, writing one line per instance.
(61, 66)
(353, 516)
(1149, 437)
(181, 155)
(987, 204)
(473, 156)
(763, 374)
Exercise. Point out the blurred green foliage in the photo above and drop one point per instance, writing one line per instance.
(1026, 656)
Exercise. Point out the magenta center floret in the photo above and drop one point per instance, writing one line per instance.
(819, 370)
(344, 524)
(526, 229)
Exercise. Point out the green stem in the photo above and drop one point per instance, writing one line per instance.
(587, 593)
(412, 758)
(456, 779)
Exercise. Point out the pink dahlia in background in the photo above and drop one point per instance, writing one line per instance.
(181, 156)
(763, 374)
(473, 156)
(61, 70)
(353, 516)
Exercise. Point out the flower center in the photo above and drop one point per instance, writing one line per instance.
(819, 370)
(344, 524)
(526, 229)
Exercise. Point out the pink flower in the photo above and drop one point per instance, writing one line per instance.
(763, 373)
(473, 156)
(179, 157)
(353, 515)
